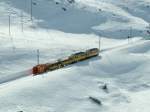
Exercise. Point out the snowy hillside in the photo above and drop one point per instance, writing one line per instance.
(58, 28)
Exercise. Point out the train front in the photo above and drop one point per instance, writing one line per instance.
(39, 69)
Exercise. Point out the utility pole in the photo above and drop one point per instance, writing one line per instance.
(130, 34)
(128, 39)
(21, 20)
(31, 11)
(38, 56)
(99, 44)
(149, 27)
(9, 25)
(9, 31)
(148, 31)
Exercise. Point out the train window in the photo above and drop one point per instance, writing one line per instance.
(79, 53)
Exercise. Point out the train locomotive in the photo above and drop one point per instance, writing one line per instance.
(74, 58)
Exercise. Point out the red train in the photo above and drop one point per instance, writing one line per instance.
(42, 68)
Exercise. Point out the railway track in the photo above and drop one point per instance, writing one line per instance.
(28, 72)
(15, 76)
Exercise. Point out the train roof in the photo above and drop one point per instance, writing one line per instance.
(78, 53)
(92, 49)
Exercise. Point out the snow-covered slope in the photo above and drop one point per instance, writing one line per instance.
(60, 28)
(68, 89)
(112, 18)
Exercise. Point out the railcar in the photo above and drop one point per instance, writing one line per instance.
(54, 66)
(67, 61)
(42, 68)
(78, 56)
(39, 69)
(92, 52)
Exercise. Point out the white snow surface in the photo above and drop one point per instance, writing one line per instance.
(122, 64)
